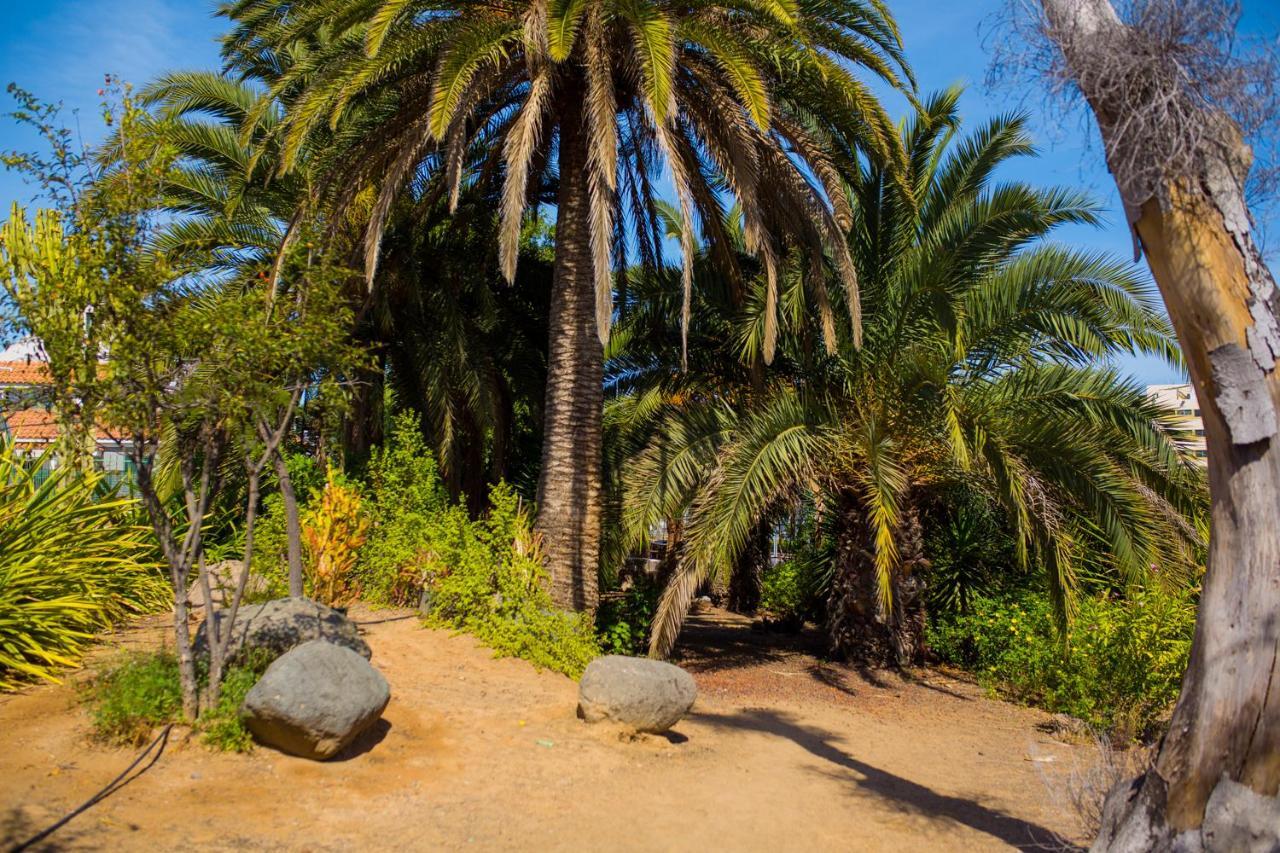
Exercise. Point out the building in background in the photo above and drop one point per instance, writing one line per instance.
(1182, 400)
(26, 415)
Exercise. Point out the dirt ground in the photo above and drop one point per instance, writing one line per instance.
(781, 752)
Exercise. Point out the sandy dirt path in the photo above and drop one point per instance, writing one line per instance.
(781, 753)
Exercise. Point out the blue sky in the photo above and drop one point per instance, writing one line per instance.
(60, 49)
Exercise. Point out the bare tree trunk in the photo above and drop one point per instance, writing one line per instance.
(1222, 751)
(293, 525)
(569, 484)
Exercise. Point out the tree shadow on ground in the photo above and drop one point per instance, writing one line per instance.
(897, 791)
(17, 827)
(718, 641)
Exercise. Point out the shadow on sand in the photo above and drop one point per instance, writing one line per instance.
(898, 792)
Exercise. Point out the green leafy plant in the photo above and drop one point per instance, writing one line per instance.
(1120, 668)
(132, 695)
(481, 576)
(622, 622)
(71, 565)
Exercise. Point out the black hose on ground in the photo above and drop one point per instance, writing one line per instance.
(162, 740)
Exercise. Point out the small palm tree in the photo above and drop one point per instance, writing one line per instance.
(979, 366)
(595, 96)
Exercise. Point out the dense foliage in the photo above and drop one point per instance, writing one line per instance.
(73, 562)
(130, 697)
(1120, 667)
(983, 366)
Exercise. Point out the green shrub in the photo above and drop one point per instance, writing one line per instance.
(484, 577)
(1120, 669)
(791, 591)
(71, 565)
(132, 696)
(411, 514)
(220, 726)
(137, 692)
(623, 623)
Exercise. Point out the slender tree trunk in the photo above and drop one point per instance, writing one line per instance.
(859, 627)
(569, 484)
(293, 525)
(1222, 751)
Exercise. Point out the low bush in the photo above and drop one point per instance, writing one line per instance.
(791, 591)
(623, 622)
(333, 532)
(132, 696)
(481, 576)
(72, 564)
(1119, 670)
(136, 693)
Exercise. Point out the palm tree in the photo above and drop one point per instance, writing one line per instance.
(754, 100)
(979, 366)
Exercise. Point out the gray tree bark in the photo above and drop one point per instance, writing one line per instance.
(569, 483)
(1222, 752)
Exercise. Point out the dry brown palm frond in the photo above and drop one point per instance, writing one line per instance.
(522, 142)
(770, 306)
(818, 277)
(455, 150)
(821, 164)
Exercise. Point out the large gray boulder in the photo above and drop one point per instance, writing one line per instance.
(314, 700)
(282, 624)
(639, 693)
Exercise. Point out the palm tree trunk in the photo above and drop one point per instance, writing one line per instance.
(569, 483)
(747, 581)
(859, 627)
(1222, 751)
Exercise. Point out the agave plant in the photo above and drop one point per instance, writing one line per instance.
(983, 363)
(72, 564)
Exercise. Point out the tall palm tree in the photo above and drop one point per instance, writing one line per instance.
(756, 100)
(980, 366)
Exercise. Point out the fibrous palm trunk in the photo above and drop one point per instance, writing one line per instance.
(860, 628)
(1219, 765)
(747, 580)
(569, 483)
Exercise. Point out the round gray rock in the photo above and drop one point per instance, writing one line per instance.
(642, 694)
(282, 624)
(314, 700)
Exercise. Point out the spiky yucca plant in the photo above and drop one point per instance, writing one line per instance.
(72, 564)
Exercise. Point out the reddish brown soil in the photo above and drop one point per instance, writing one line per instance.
(781, 753)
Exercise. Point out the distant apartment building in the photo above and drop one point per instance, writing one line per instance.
(27, 419)
(1182, 400)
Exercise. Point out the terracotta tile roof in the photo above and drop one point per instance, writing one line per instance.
(38, 425)
(23, 373)
(32, 425)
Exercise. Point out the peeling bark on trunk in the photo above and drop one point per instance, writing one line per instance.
(859, 628)
(569, 483)
(1195, 231)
